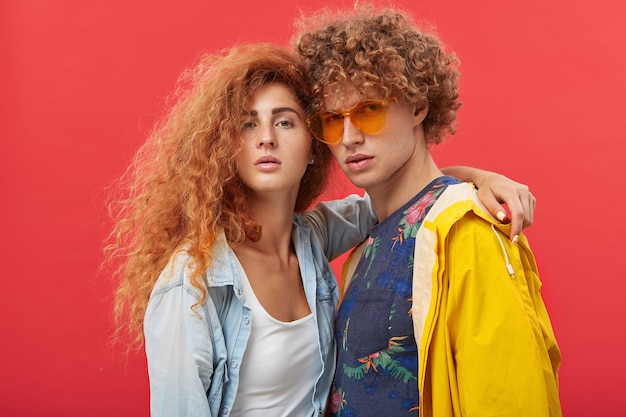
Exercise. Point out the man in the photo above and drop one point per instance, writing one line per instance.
(443, 314)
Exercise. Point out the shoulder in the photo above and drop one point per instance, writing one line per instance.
(459, 203)
(471, 233)
(181, 271)
(183, 292)
(480, 249)
(176, 274)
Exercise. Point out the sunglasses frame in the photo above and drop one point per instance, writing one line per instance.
(343, 113)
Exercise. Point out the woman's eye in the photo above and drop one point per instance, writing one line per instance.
(248, 125)
(284, 123)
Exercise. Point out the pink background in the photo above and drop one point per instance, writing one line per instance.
(82, 81)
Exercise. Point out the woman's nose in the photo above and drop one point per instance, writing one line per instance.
(266, 138)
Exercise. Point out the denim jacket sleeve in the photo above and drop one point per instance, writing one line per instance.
(178, 346)
(342, 224)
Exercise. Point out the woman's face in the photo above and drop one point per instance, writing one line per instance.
(276, 143)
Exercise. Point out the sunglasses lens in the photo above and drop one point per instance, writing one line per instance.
(327, 126)
(332, 126)
(368, 117)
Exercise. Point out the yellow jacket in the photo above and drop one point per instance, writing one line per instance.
(486, 345)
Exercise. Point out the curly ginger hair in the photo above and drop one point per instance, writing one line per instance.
(182, 186)
(384, 50)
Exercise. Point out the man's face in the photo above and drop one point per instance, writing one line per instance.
(379, 159)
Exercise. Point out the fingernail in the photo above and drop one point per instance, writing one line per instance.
(501, 216)
(515, 239)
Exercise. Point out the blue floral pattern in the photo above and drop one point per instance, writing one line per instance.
(377, 355)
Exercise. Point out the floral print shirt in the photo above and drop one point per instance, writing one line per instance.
(377, 354)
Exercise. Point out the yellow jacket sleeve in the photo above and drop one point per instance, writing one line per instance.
(495, 323)
(485, 339)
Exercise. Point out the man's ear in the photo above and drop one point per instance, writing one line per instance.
(421, 111)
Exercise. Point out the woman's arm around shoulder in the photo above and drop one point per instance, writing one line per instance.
(342, 224)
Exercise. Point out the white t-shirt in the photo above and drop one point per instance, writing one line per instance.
(280, 365)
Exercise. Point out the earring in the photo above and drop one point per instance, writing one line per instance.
(311, 161)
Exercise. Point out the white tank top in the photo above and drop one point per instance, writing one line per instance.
(280, 365)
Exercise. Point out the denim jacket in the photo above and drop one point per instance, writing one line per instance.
(194, 355)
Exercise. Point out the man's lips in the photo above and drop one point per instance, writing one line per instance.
(357, 158)
(358, 162)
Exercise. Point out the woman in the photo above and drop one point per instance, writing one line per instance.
(223, 272)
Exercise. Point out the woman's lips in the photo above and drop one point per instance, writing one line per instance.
(267, 162)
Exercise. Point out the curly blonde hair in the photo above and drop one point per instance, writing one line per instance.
(182, 186)
(384, 50)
